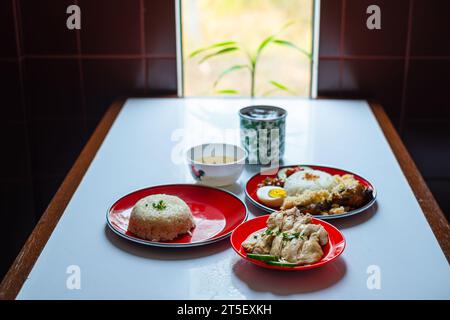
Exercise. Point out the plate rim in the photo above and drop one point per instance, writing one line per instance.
(174, 245)
(329, 217)
(297, 268)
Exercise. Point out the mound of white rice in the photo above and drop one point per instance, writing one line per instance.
(312, 180)
(160, 217)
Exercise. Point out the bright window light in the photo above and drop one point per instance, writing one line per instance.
(247, 47)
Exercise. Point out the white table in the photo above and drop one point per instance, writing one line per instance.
(143, 148)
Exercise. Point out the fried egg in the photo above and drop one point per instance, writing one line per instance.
(312, 180)
(271, 196)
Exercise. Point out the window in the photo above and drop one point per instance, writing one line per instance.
(220, 41)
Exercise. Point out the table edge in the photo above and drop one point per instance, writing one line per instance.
(27, 257)
(430, 208)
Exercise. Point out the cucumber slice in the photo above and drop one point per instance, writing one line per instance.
(282, 264)
(261, 257)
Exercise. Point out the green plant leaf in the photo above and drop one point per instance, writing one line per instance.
(227, 91)
(213, 46)
(291, 45)
(218, 53)
(272, 38)
(281, 86)
(229, 70)
(264, 44)
(287, 25)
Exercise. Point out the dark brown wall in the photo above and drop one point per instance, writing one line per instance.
(405, 66)
(57, 83)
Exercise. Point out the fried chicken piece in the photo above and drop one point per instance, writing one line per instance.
(250, 243)
(284, 219)
(292, 250)
(306, 198)
(347, 193)
(354, 197)
(264, 244)
(323, 236)
(311, 251)
(277, 246)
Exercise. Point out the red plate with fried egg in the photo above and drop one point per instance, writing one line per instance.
(251, 189)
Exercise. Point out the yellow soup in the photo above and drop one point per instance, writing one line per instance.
(216, 160)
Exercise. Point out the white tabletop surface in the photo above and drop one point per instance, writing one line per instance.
(144, 148)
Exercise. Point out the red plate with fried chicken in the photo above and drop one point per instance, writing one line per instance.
(288, 240)
(324, 192)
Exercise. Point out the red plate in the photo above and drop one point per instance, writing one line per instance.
(252, 186)
(216, 213)
(334, 247)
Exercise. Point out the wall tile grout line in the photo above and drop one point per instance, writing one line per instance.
(101, 56)
(81, 78)
(406, 67)
(143, 44)
(169, 56)
(383, 57)
(342, 43)
(16, 179)
(434, 179)
(18, 28)
(51, 176)
(43, 119)
(362, 57)
(20, 53)
(429, 119)
(412, 57)
(10, 59)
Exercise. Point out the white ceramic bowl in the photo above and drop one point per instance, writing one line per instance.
(219, 174)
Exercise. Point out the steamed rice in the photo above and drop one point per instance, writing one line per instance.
(160, 223)
(308, 180)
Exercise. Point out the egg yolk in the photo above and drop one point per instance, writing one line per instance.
(277, 193)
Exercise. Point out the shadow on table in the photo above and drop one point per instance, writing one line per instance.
(159, 253)
(235, 188)
(289, 282)
(254, 209)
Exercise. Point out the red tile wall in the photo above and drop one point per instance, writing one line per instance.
(405, 66)
(410, 52)
(57, 83)
(16, 184)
